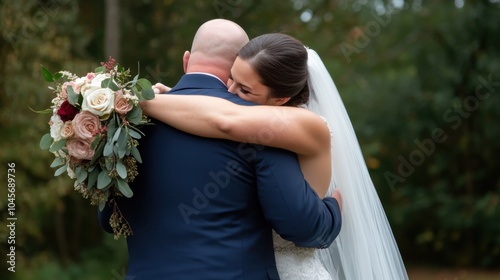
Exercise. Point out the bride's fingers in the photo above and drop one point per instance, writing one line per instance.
(159, 88)
(338, 197)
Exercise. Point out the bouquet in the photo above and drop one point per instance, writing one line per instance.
(94, 128)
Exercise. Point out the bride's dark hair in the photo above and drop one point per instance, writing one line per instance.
(281, 62)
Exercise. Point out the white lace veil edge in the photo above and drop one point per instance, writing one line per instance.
(365, 248)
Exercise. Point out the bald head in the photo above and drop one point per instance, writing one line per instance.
(215, 47)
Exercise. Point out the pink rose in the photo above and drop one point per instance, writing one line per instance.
(67, 130)
(122, 105)
(80, 148)
(86, 125)
(90, 76)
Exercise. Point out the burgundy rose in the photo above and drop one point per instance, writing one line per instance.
(67, 112)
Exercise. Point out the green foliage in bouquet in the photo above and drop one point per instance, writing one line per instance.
(94, 129)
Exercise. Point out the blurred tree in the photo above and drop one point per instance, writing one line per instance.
(112, 34)
(420, 90)
(53, 223)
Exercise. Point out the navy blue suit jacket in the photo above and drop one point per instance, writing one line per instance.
(204, 208)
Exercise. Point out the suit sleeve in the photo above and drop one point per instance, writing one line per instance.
(290, 205)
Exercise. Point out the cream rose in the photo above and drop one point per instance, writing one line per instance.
(122, 105)
(55, 127)
(67, 130)
(86, 125)
(80, 148)
(99, 101)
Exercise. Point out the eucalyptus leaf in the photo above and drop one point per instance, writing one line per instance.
(134, 81)
(135, 91)
(124, 188)
(57, 162)
(98, 152)
(108, 83)
(110, 164)
(136, 154)
(111, 128)
(121, 170)
(134, 134)
(121, 144)
(92, 178)
(147, 91)
(72, 96)
(61, 170)
(46, 141)
(121, 151)
(46, 74)
(58, 145)
(80, 99)
(81, 174)
(117, 134)
(135, 115)
(103, 180)
(96, 141)
(108, 149)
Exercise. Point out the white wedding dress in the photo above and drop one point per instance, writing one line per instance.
(297, 263)
(365, 248)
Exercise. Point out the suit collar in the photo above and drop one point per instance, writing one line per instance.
(199, 81)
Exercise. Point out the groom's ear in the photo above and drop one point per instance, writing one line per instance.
(185, 60)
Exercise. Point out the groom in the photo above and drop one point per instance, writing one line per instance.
(204, 208)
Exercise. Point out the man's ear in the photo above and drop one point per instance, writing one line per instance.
(280, 101)
(185, 60)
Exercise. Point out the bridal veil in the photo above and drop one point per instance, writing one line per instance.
(365, 248)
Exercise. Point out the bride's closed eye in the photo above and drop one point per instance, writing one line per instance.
(243, 91)
(239, 87)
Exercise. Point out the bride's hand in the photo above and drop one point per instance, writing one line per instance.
(160, 88)
(338, 197)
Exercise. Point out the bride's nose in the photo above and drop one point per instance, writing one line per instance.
(231, 86)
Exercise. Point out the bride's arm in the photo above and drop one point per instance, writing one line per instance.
(294, 129)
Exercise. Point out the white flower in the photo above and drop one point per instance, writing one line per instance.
(99, 102)
(55, 127)
(132, 98)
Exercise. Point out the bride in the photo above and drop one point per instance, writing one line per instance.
(276, 69)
